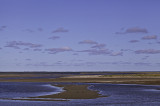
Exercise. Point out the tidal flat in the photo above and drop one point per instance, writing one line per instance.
(73, 87)
(146, 78)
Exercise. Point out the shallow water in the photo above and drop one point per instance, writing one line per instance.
(20, 89)
(119, 95)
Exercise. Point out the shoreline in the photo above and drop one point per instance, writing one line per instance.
(147, 78)
(70, 92)
(74, 91)
(144, 81)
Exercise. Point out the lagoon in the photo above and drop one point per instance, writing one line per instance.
(116, 94)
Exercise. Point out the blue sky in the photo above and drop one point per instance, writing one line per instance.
(79, 35)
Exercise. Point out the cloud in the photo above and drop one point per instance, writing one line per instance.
(40, 29)
(158, 64)
(57, 50)
(133, 30)
(54, 37)
(124, 63)
(116, 54)
(75, 54)
(26, 49)
(158, 42)
(117, 63)
(28, 59)
(18, 44)
(39, 64)
(149, 37)
(61, 29)
(134, 41)
(90, 63)
(142, 64)
(124, 50)
(146, 57)
(88, 42)
(37, 49)
(101, 63)
(147, 51)
(96, 51)
(46, 64)
(30, 30)
(136, 30)
(3, 27)
(99, 46)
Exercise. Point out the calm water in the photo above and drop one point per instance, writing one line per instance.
(119, 95)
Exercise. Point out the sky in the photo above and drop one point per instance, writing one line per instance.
(79, 35)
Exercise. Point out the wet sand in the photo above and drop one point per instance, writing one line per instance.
(82, 91)
(70, 92)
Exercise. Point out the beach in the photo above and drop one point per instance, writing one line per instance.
(147, 78)
(76, 85)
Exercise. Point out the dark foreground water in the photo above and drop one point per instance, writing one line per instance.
(119, 95)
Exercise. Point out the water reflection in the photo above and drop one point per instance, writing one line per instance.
(119, 95)
(19, 89)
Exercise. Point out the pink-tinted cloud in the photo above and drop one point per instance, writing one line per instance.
(124, 50)
(133, 30)
(149, 37)
(147, 51)
(99, 46)
(57, 50)
(116, 54)
(54, 37)
(88, 42)
(134, 41)
(96, 51)
(136, 30)
(59, 30)
(19, 44)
